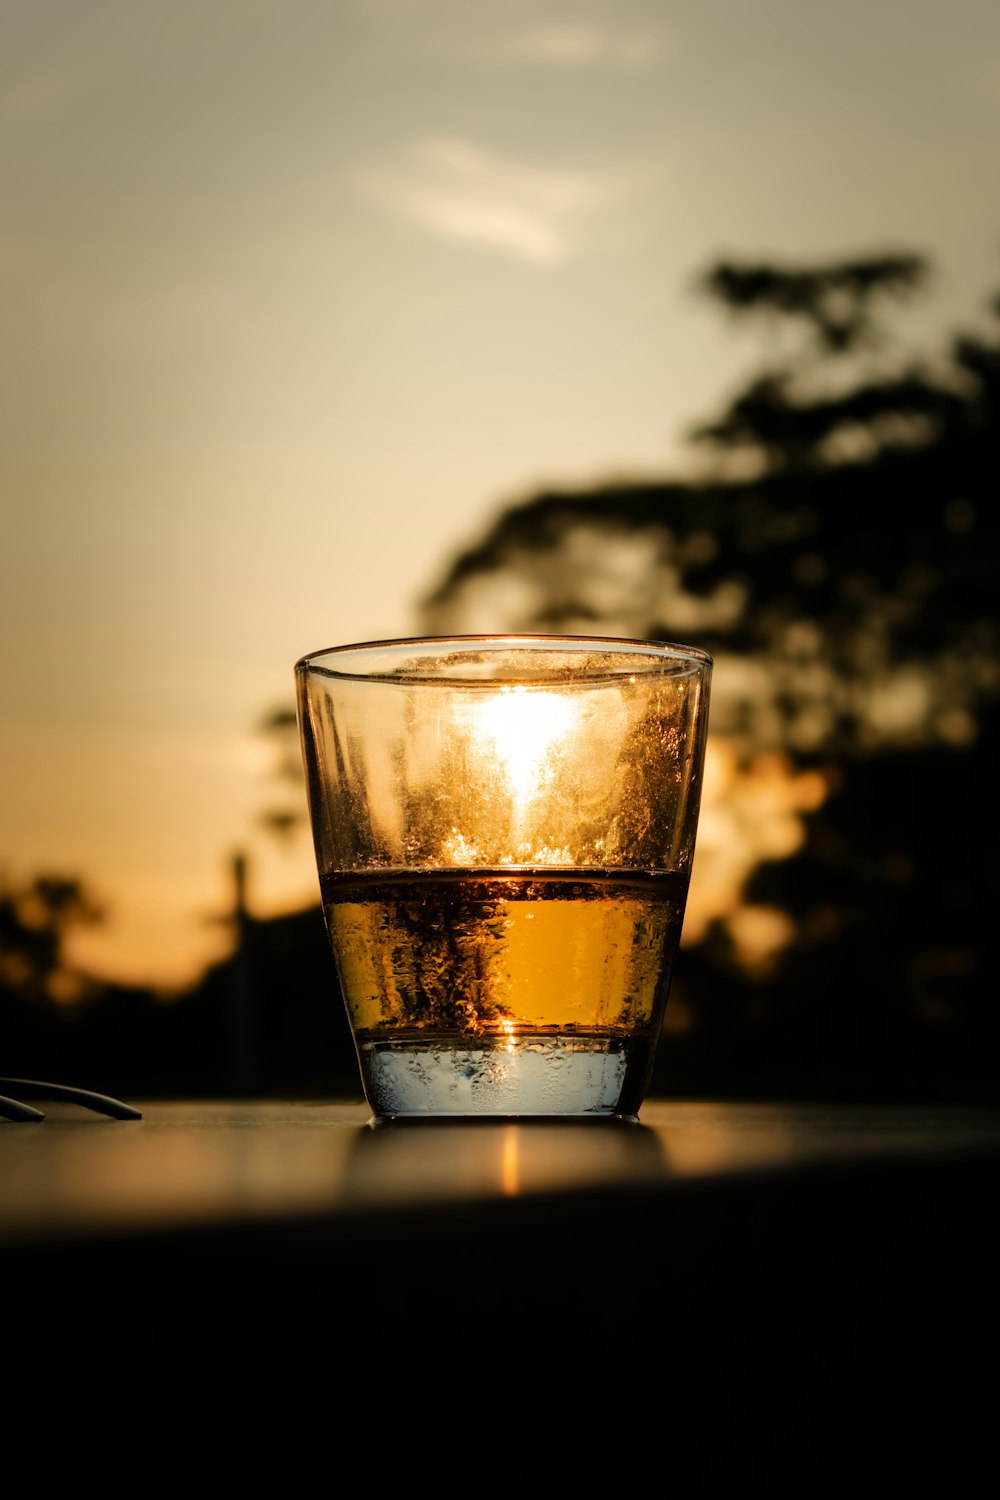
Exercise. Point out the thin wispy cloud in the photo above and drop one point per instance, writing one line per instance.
(581, 46)
(465, 192)
(496, 33)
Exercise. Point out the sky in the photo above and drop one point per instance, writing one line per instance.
(296, 296)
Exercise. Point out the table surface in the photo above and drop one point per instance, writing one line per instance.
(751, 1271)
(200, 1164)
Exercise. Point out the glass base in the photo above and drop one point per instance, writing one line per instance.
(542, 1076)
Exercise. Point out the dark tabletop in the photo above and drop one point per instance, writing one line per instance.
(780, 1284)
(189, 1168)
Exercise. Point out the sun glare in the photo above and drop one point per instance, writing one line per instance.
(520, 727)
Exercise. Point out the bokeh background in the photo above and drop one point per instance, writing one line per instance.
(325, 322)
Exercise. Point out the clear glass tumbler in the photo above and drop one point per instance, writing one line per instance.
(504, 830)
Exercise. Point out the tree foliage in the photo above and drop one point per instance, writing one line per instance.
(840, 302)
(840, 562)
(35, 920)
(846, 585)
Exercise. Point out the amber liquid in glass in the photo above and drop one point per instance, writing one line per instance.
(505, 992)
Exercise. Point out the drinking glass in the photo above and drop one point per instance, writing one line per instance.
(504, 830)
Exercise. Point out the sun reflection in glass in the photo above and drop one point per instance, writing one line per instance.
(519, 728)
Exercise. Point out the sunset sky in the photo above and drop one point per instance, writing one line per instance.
(297, 295)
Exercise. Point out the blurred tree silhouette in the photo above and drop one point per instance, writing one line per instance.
(836, 301)
(844, 580)
(35, 919)
(287, 814)
(840, 563)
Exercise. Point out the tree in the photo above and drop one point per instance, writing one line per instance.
(286, 815)
(35, 920)
(840, 563)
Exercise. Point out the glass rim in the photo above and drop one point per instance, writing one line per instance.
(654, 651)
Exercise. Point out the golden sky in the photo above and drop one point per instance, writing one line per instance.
(297, 294)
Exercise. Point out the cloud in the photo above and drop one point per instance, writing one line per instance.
(498, 33)
(579, 46)
(465, 192)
